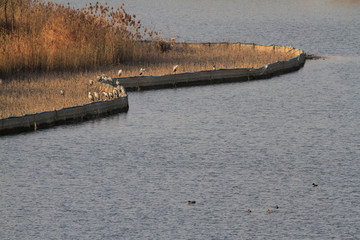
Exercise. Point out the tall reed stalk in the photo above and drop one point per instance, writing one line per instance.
(38, 36)
(47, 47)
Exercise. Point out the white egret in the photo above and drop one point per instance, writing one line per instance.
(106, 94)
(101, 77)
(116, 93)
(96, 96)
(119, 72)
(175, 68)
(90, 96)
(123, 91)
(142, 70)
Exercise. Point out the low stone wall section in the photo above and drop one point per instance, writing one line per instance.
(30, 122)
(220, 75)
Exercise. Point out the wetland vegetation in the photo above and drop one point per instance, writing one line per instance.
(46, 47)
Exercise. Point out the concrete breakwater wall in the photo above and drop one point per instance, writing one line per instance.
(220, 75)
(30, 122)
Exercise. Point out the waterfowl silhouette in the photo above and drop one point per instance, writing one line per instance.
(314, 185)
(269, 211)
(191, 202)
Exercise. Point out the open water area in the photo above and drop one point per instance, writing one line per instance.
(229, 147)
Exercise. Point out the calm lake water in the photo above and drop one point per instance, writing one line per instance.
(229, 147)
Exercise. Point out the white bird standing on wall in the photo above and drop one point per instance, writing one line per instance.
(120, 72)
(96, 96)
(175, 68)
(214, 67)
(117, 82)
(101, 77)
(106, 94)
(122, 90)
(62, 92)
(116, 93)
(90, 96)
(142, 70)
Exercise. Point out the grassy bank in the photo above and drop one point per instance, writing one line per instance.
(41, 92)
(49, 47)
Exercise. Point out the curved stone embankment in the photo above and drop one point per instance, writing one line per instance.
(220, 75)
(101, 108)
(30, 122)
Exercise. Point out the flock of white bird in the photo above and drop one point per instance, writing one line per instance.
(142, 71)
(118, 91)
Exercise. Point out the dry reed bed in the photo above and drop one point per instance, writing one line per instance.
(45, 47)
(44, 36)
(199, 57)
(39, 93)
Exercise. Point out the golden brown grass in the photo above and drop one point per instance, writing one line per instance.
(199, 57)
(39, 36)
(41, 92)
(45, 47)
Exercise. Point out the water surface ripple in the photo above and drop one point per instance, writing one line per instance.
(229, 147)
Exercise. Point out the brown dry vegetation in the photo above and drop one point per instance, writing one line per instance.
(48, 47)
(38, 36)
